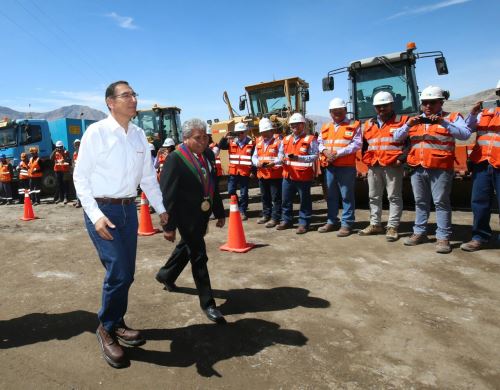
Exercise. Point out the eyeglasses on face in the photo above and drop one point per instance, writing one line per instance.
(126, 95)
(429, 102)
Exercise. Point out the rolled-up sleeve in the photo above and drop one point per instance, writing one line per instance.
(401, 133)
(458, 128)
(472, 120)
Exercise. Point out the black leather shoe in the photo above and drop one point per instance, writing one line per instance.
(214, 314)
(170, 287)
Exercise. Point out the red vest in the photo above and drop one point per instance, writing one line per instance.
(240, 159)
(75, 157)
(34, 168)
(297, 170)
(60, 163)
(5, 175)
(432, 146)
(335, 140)
(23, 171)
(382, 148)
(268, 154)
(487, 147)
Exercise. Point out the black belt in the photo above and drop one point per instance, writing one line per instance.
(122, 201)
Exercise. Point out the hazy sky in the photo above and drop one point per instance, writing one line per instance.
(186, 53)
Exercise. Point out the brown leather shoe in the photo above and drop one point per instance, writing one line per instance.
(263, 220)
(112, 351)
(328, 227)
(471, 246)
(443, 246)
(272, 223)
(415, 239)
(301, 229)
(284, 225)
(129, 336)
(344, 231)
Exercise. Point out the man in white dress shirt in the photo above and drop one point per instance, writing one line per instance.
(113, 159)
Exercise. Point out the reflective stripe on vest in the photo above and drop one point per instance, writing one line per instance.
(268, 154)
(240, 159)
(334, 140)
(487, 146)
(297, 170)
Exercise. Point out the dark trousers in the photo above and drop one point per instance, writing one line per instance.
(193, 250)
(35, 186)
(24, 184)
(62, 187)
(5, 192)
(232, 185)
(270, 190)
(289, 189)
(485, 183)
(118, 257)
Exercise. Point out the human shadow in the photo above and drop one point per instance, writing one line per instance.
(204, 345)
(253, 300)
(38, 327)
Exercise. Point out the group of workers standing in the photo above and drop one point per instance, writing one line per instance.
(425, 144)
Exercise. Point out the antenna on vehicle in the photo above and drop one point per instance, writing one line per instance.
(29, 116)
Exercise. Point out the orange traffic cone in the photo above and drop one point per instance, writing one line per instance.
(145, 224)
(29, 215)
(235, 235)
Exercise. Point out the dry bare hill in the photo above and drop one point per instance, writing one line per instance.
(73, 111)
(464, 104)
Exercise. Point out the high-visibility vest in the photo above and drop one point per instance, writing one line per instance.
(297, 170)
(335, 140)
(432, 146)
(218, 163)
(240, 159)
(60, 163)
(34, 168)
(268, 155)
(382, 148)
(75, 157)
(5, 174)
(487, 146)
(23, 171)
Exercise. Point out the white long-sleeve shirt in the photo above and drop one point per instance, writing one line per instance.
(111, 164)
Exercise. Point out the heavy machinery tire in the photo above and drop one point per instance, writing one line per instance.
(49, 183)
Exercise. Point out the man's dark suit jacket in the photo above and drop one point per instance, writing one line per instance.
(183, 194)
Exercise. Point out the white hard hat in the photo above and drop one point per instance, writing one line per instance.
(383, 97)
(76, 141)
(265, 124)
(498, 84)
(59, 144)
(336, 103)
(168, 142)
(297, 118)
(432, 93)
(151, 147)
(240, 127)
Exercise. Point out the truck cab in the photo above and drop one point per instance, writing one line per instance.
(159, 123)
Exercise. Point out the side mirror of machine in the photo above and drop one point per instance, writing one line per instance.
(209, 122)
(242, 104)
(441, 66)
(328, 83)
(305, 95)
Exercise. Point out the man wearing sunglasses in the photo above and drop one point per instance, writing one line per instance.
(432, 154)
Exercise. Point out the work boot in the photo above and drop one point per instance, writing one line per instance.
(272, 223)
(472, 246)
(263, 220)
(284, 225)
(443, 246)
(344, 231)
(112, 351)
(415, 239)
(327, 227)
(371, 230)
(391, 234)
(301, 229)
(129, 336)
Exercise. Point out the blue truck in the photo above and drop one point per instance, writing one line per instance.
(17, 136)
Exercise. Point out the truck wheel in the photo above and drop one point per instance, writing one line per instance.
(49, 183)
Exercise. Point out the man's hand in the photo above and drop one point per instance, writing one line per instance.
(169, 236)
(477, 107)
(435, 118)
(220, 222)
(163, 219)
(398, 163)
(101, 228)
(413, 121)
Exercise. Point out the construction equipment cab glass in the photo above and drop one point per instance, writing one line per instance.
(160, 123)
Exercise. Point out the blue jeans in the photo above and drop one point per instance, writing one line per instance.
(232, 186)
(341, 180)
(270, 190)
(289, 189)
(485, 183)
(432, 184)
(118, 257)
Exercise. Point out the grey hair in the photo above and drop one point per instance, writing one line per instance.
(191, 124)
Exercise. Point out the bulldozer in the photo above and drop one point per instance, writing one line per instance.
(160, 122)
(276, 100)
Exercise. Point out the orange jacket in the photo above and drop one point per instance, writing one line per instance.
(335, 140)
(61, 161)
(35, 170)
(432, 146)
(268, 155)
(382, 148)
(5, 173)
(23, 170)
(240, 159)
(218, 163)
(487, 145)
(297, 170)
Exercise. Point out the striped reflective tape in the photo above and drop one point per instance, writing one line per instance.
(233, 208)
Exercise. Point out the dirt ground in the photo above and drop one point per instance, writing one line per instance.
(304, 312)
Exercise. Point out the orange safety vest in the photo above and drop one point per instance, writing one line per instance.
(218, 163)
(60, 163)
(34, 170)
(487, 146)
(335, 140)
(24, 171)
(297, 170)
(240, 159)
(268, 154)
(75, 157)
(432, 146)
(5, 175)
(382, 148)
